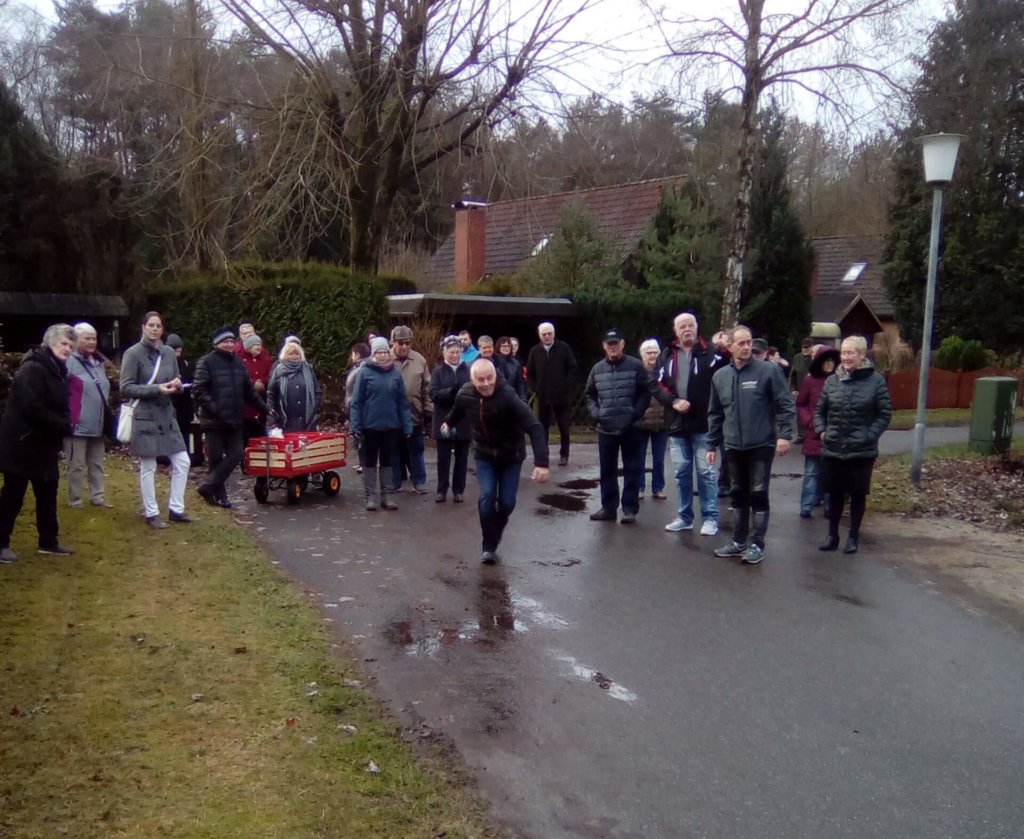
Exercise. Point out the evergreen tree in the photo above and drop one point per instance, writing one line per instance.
(971, 81)
(776, 298)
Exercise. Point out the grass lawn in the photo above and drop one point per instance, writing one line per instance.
(172, 684)
(936, 418)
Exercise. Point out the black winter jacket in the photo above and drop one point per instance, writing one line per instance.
(445, 384)
(853, 411)
(221, 390)
(511, 370)
(499, 422)
(703, 364)
(618, 393)
(36, 418)
(552, 374)
(745, 402)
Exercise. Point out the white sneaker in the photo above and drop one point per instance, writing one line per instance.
(709, 528)
(677, 524)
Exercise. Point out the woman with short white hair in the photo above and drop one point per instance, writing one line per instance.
(652, 423)
(89, 401)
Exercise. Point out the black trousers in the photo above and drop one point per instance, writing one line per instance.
(560, 413)
(445, 449)
(12, 496)
(751, 472)
(380, 446)
(226, 448)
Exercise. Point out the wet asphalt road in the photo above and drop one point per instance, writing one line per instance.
(620, 681)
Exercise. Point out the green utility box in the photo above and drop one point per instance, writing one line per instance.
(992, 414)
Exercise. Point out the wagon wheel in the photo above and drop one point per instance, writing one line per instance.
(332, 483)
(296, 487)
(261, 490)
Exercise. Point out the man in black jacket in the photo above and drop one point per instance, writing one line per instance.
(746, 397)
(618, 394)
(684, 388)
(221, 389)
(551, 371)
(498, 419)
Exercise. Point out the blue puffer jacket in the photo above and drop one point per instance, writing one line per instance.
(379, 401)
(617, 393)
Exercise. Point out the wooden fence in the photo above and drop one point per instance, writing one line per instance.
(945, 389)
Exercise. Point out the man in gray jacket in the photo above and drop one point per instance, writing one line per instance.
(746, 398)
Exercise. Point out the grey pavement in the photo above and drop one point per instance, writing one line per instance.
(896, 442)
(620, 681)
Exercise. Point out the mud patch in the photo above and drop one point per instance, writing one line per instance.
(565, 503)
(848, 598)
(579, 483)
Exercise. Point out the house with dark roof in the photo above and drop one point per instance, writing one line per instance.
(847, 286)
(498, 238)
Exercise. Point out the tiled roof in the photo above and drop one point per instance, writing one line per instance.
(514, 228)
(834, 257)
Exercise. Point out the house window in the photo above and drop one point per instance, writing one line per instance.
(543, 243)
(854, 271)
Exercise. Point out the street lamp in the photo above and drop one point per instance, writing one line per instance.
(939, 161)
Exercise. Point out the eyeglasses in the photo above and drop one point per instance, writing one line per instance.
(402, 343)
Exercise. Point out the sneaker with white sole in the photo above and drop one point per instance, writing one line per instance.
(709, 528)
(677, 525)
(731, 550)
(753, 555)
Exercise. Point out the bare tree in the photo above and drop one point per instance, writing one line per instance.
(845, 54)
(383, 90)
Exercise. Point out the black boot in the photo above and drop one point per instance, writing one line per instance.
(831, 543)
(851, 544)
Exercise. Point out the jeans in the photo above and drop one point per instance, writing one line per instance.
(226, 449)
(84, 457)
(659, 443)
(180, 463)
(409, 455)
(499, 483)
(687, 450)
(751, 471)
(560, 413)
(810, 489)
(12, 496)
(631, 443)
(445, 449)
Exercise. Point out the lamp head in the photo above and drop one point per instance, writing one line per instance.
(940, 152)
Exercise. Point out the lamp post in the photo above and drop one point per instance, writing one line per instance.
(939, 161)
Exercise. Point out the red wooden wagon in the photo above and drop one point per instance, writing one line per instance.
(295, 462)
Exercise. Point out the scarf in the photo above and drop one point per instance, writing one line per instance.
(381, 365)
(286, 370)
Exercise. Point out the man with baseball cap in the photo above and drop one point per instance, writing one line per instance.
(416, 376)
(617, 396)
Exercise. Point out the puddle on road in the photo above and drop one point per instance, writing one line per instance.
(565, 503)
(579, 483)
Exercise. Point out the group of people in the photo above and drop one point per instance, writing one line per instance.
(723, 406)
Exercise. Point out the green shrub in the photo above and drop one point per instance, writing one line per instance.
(957, 355)
(327, 306)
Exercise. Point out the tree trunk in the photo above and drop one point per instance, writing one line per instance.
(734, 265)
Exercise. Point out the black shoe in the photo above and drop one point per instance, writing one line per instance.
(156, 522)
(830, 544)
(851, 545)
(56, 550)
(209, 496)
(441, 497)
(457, 498)
(180, 518)
(489, 558)
(563, 461)
(603, 515)
(628, 518)
(804, 515)
(223, 502)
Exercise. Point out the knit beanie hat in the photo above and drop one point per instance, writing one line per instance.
(252, 341)
(378, 344)
(174, 341)
(222, 333)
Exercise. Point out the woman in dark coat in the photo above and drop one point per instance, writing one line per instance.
(823, 364)
(293, 395)
(36, 421)
(653, 425)
(511, 366)
(445, 382)
(853, 411)
(155, 431)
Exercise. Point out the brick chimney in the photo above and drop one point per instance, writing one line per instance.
(470, 242)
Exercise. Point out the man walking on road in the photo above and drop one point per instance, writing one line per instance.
(499, 419)
(685, 387)
(618, 393)
(551, 371)
(416, 375)
(746, 396)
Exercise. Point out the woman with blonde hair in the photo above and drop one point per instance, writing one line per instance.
(293, 395)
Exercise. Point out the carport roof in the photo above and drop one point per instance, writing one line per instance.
(412, 305)
(71, 305)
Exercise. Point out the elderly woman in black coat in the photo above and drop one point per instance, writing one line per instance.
(293, 395)
(853, 411)
(445, 381)
(36, 420)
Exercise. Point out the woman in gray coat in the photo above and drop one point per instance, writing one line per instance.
(155, 431)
